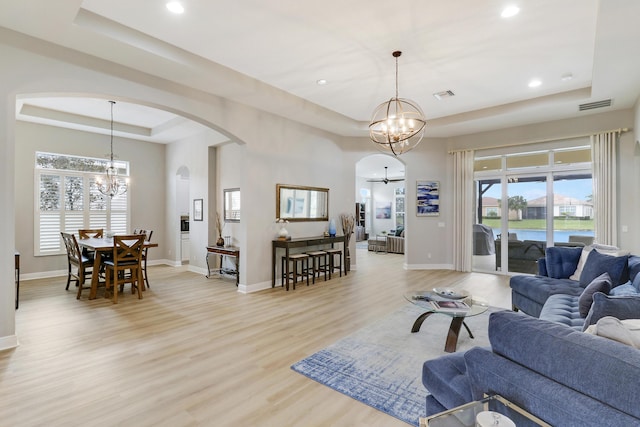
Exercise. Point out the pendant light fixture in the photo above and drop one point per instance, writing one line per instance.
(397, 125)
(111, 186)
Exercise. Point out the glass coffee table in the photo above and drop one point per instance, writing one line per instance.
(472, 414)
(456, 304)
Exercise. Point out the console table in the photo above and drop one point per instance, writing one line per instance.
(303, 242)
(225, 251)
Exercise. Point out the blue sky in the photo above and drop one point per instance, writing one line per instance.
(579, 189)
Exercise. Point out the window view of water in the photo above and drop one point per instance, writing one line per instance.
(541, 235)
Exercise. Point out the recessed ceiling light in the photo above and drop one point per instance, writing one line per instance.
(175, 7)
(535, 83)
(510, 11)
(321, 82)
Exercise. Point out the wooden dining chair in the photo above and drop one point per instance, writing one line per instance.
(75, 259)
(125, 265)
(87, 233)
(147, 234)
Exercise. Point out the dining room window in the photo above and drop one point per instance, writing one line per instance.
(67, 199)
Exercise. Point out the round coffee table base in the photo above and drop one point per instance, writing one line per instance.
(454, 330)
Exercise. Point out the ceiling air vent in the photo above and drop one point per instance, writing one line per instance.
(594, 105)
(443, 94)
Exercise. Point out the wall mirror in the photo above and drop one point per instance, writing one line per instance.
(232, 205)
(298, 203)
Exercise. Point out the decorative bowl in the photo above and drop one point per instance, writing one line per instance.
(451, 293)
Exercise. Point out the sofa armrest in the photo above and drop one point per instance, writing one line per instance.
(491, 373)
(576, 360)
(395, 244)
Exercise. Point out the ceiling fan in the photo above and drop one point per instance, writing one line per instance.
(386, 180)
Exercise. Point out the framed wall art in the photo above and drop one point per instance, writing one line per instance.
(428, 198)
(383, 210)
(197, 209)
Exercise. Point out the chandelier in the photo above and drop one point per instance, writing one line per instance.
(397, 125)
(111, 186)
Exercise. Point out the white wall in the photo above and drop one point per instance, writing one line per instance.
(229, 174)
(8, 338)
(191, 154)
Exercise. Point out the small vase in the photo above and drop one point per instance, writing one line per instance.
(283, 233)
(220, 241)
(332, 228)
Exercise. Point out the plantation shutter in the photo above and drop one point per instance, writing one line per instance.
(69, 201)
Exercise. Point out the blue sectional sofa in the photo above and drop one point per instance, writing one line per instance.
(541, 359)
(565, 377)
(553, 295)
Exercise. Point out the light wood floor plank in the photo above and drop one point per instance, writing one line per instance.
(194, 352)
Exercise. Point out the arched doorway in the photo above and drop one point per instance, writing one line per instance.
(380, 192)
(182, 213)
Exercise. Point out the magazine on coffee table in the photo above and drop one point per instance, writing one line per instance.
(450, 305)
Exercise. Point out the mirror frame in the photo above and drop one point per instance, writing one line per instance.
(281, 187)
(227, 208)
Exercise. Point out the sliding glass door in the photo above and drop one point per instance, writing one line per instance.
(522, 211)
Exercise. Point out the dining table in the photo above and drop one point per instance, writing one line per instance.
(101, 246)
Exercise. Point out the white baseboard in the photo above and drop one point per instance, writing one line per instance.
(254, 287)
(10, 341)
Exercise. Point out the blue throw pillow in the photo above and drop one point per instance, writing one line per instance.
(561, 261)
(602, 283)
(624, 290)
(626, 307)
(598, 263)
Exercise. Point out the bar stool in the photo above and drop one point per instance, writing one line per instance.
(331, 253)
(315, 258)
(296, 259)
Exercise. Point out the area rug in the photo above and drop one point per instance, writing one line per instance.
(381, 364)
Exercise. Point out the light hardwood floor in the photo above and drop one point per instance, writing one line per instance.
(194, 352)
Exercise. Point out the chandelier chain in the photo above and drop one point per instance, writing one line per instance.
(112, 103)
(397, 77)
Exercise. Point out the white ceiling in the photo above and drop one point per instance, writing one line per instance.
(269, 54)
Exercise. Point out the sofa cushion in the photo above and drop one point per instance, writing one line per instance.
(563, 309)
(540, 288)
(561, 261)
(624, 290)
(582, 362)
(598, 263)
(602, 283)
(620, 307)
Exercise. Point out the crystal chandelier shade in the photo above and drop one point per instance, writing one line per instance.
(397, 125)
(111, 186)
